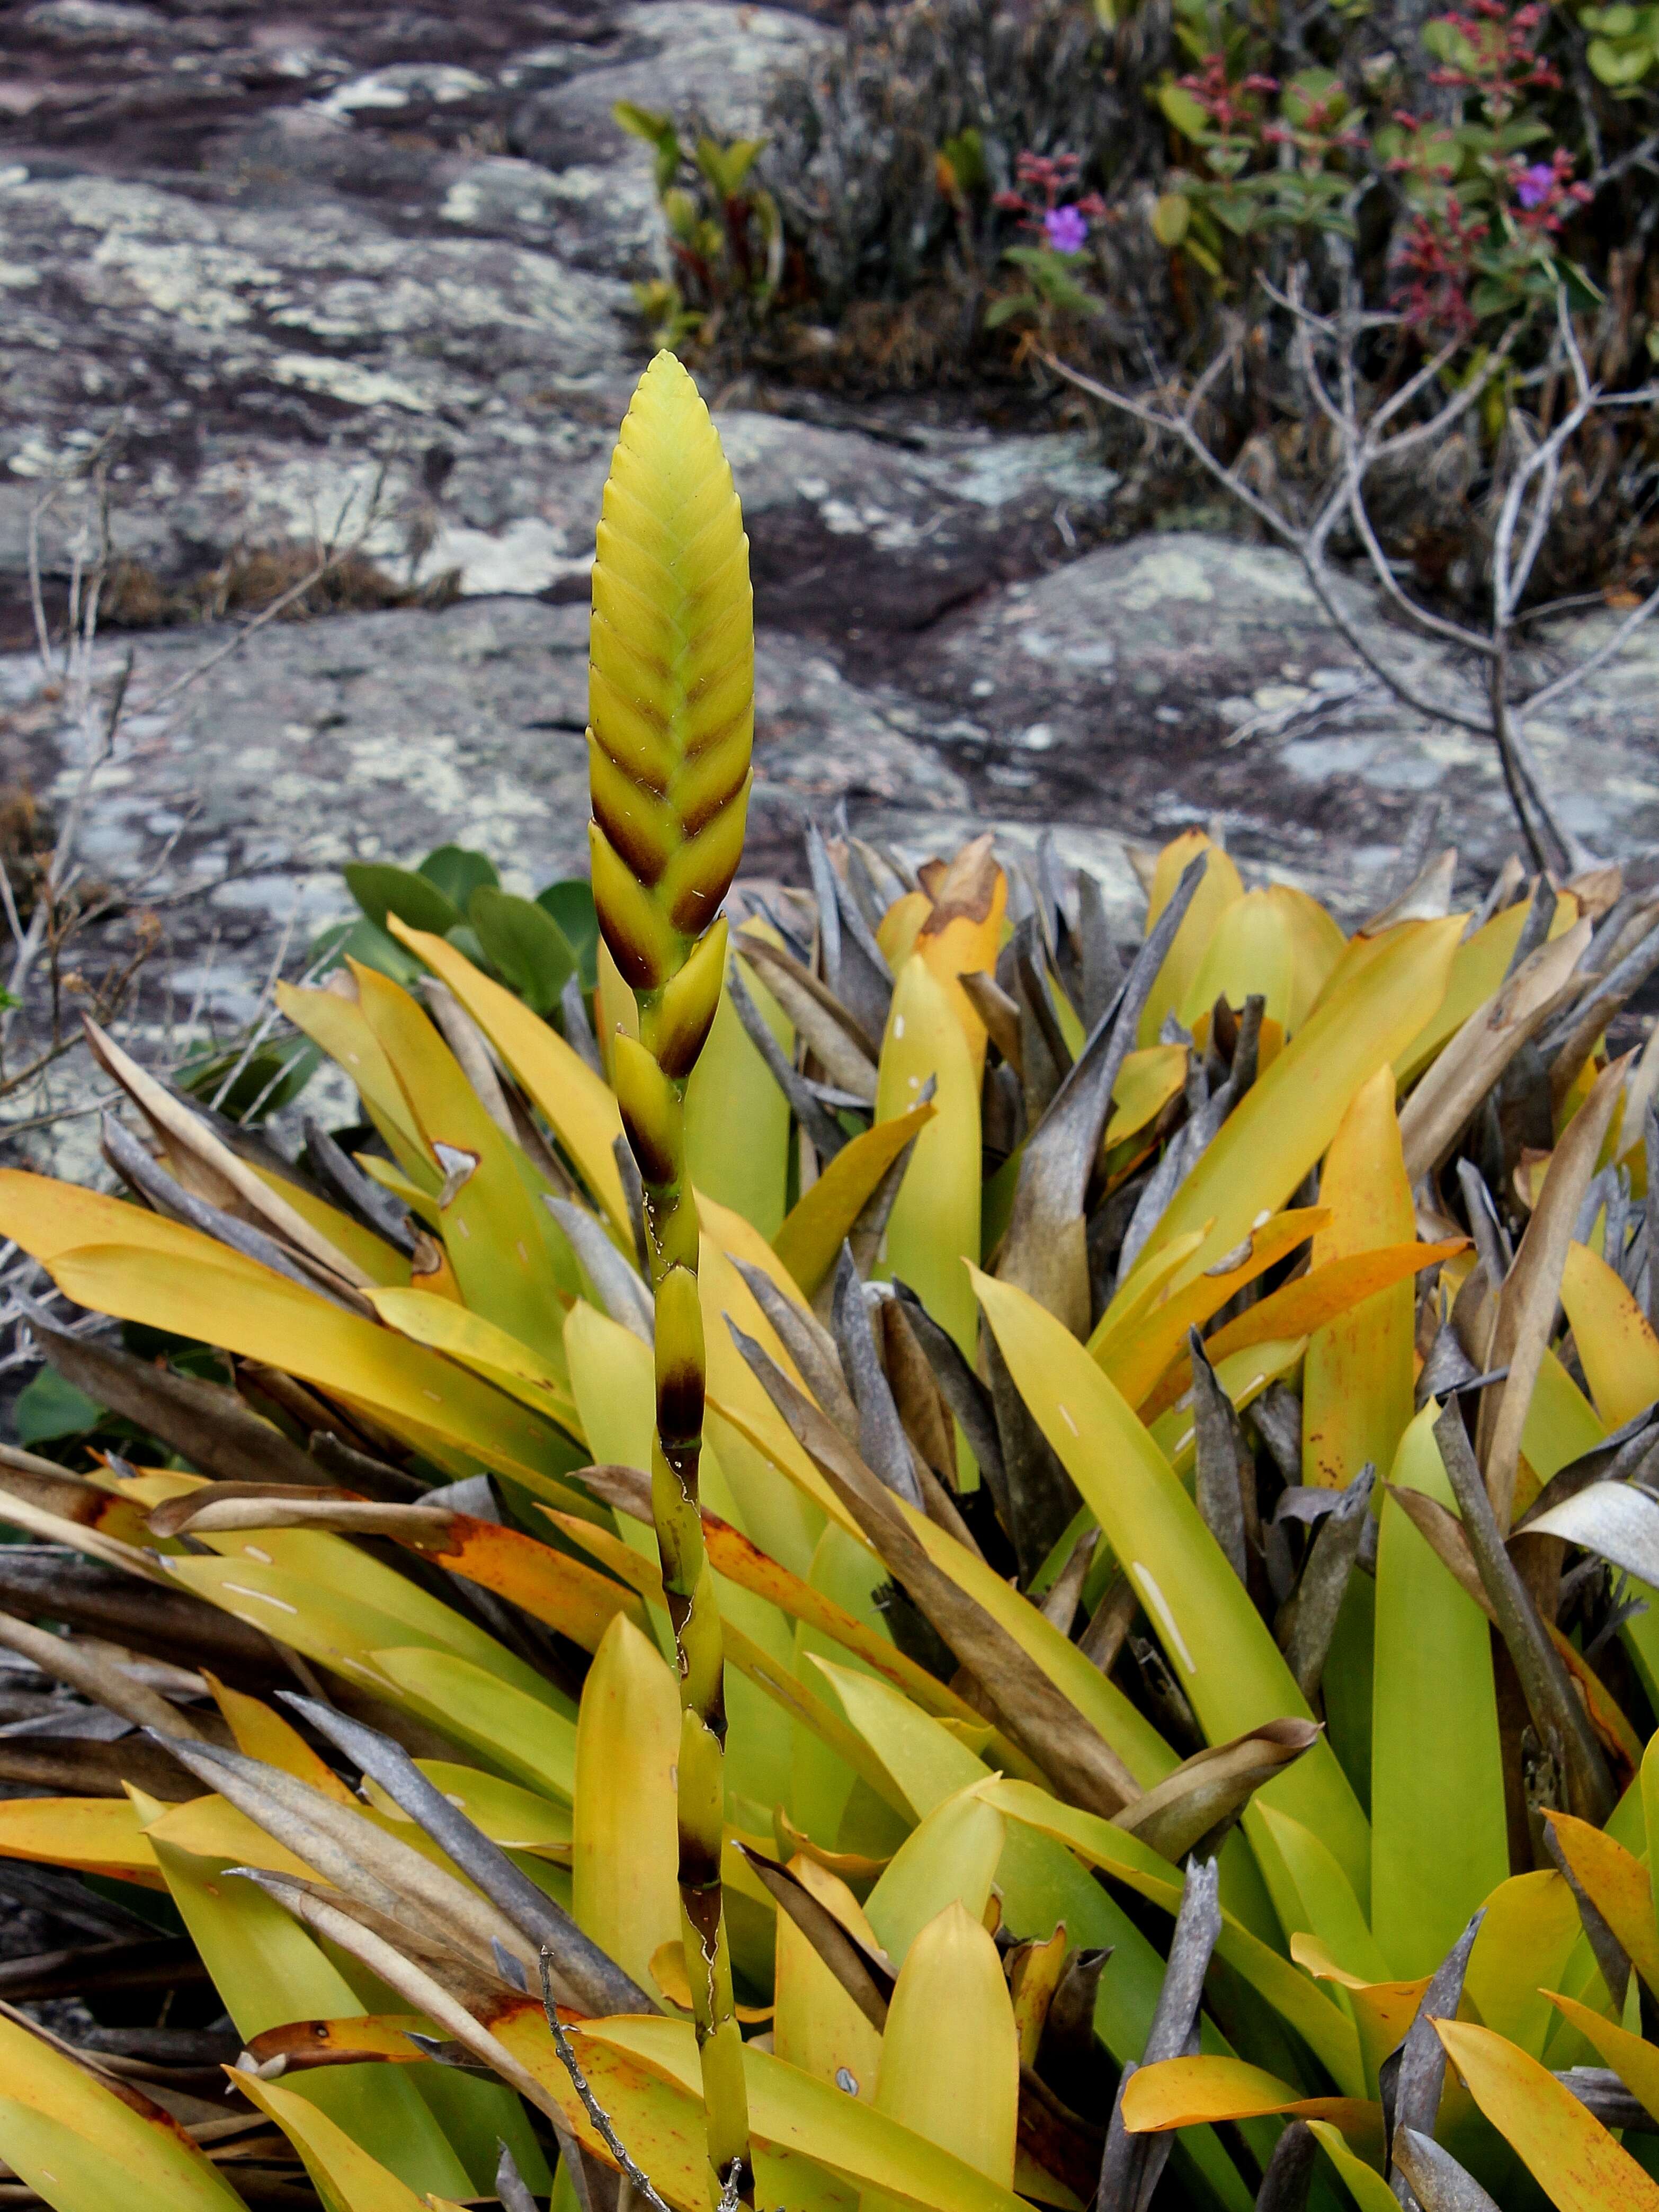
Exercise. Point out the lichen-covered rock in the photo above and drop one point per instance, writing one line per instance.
(364, 276)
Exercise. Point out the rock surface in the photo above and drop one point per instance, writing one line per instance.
(364, 275)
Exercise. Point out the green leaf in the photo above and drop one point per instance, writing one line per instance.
(1448, 44)
(1170, 217)
(367, 943)
(271, 1078)
(48, 1408)
(571, 905)
(1618, 66)
(380, 889)
(1439, 1842)
(647, 123)
(1003, 311)
(1182, 111)
(267, 1969)
(525, 944)
(963, 155)
(466, 940)
(737, 1120)
(458, 871)
(1218, 1645)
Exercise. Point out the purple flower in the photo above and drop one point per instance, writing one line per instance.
(1067, 232)
(1534, 185)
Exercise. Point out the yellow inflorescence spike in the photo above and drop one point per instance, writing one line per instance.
(672, 682)
(671, 708)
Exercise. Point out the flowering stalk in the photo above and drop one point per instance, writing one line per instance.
(671, 700)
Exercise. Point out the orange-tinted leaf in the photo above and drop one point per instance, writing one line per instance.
(1303, 1306)
(1135, 1356)
(1617, 1885)
(1577, 2164)
(1180, 2093)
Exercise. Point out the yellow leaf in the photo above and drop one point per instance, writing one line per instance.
(901, 926)
(82, 2145)
(962, 932)
(737, 1560)
(1141, 1288)
(269, 1970)
(623, 1842)
(508, 1258)
(1478, 970)
(263, 1317)
(549, 1585)
(341, 2169)
(380, 1262)
(1243, 1376)
(1135, 1356)
(536, 1381)
(331, 1017)
(1616, 1348)
(1284, 1122)
(502, 1724)
(49, 1219)
(737, 1120)
(212, 1827)
(1568, 2152)
(811, 1238)
(1633, 2060)
(262, 1733)
(98, 1835)
(950, 1859)
(1180, 2093)
(1301, 1307)
(1617, 1884)
(1219, 1646)
(816, 2026)
(1219, 888)
(1531, 1929)
(1147, 1082)
(1254, 953)
(1382, 2010)
(788, 2108)
(1316, 945)
(1358, 1379)
(328, 1599)
(558, 1081)
(958, 2087)
(934, 1224)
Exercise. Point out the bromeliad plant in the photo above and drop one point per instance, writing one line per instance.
(900, 1562)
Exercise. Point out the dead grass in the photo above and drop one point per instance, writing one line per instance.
(253, 578)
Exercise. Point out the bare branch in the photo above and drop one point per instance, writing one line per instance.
(591, 2105)
(1548, 693)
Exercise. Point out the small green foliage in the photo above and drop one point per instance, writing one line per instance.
(381, 889)
(523, 943)
(1624, 50)
(49, 1409)
(724, 235)
(248, 1086)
